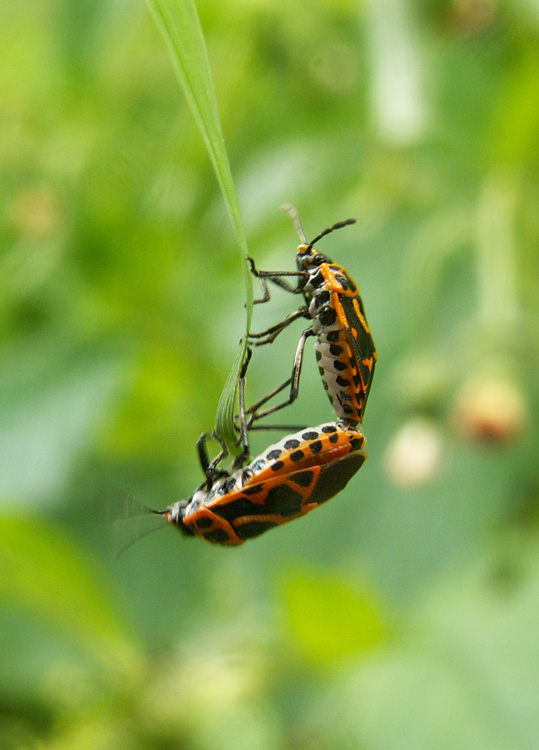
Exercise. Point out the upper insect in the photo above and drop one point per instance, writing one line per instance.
(344, 347)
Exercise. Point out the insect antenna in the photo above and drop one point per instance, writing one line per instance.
(338, 225)
(291, 211)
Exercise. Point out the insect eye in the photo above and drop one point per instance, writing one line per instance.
(317, 259)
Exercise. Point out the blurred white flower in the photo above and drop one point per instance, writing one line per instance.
(413, 456)
(398, 103)
(489, 410)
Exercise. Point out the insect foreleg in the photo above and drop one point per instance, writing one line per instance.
(271, 333)
(276, 277)
(210, 468)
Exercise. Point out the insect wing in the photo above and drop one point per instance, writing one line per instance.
(132, 522)
(335, 476)
(360, 340)
(259, 507)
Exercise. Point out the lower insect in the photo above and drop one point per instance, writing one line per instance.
(286, 481)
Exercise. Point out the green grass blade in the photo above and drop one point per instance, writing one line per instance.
(179, 23)
(224, 420)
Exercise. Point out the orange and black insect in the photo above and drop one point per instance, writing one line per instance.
(287, 480)
(344, 347)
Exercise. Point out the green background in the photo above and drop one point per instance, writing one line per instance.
(403, 614)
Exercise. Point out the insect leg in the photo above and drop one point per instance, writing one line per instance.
(292, 381)
(242, 458)
(277, 278)
(210, 468)
(271, 333)
(280, 427)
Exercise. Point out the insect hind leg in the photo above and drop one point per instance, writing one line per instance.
(292, 381)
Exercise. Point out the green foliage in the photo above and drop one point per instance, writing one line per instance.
(180, 26)
(457, 679)
(122, 307)
(330, 619)
(42, 570)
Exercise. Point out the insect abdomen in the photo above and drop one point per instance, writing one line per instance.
(340, 374)
(344, 348)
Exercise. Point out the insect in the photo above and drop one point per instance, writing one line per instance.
(287, 480)
(344, 348)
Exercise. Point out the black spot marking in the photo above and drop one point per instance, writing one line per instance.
(240, 507)
(334, 438)
(254, 490)
(347, 409)
(332, 336)
(280, 500)
(336, 350)
(218, 536)
(254, 528)
(257, 465)
(342, 381)
(321, 371)
(329, 428)
(293, 443)
(327, 317)
(303, 478)
(205, 522)
(297, 455)
(318, 355)
(343, 281)
(316, 279)
(277, 466)
(344, 396)
(316, 447)
(227, 486)
(323, 297)
(311, 435)
(338, 365)
(356, 380)
(326, 386)
(357, 443)
(284, 500)
(275, 453)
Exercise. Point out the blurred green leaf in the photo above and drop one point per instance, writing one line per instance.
(330, 619)
(513, 136)
(112, 242)
(179, 23)
(42, 570)
(467, 674)
(47, 411)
